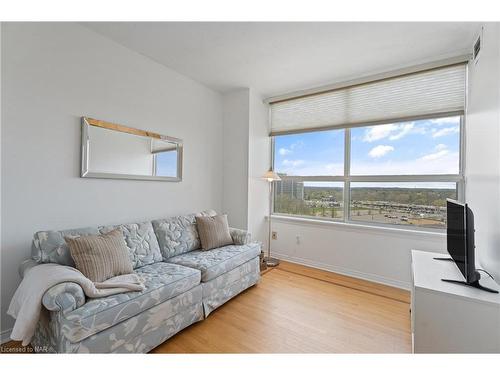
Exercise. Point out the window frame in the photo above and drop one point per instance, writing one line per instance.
(347, 178)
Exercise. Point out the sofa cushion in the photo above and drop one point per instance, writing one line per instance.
(163, 281)
(215, 262)
(50, 247)
(179, 234)
(176, 235)
(141, 242)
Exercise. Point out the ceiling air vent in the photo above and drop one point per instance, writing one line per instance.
(477, 46)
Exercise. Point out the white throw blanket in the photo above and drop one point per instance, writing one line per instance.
(26, 304)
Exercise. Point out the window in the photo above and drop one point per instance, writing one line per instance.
(397, 174)
(310, 154)
(408, 148)
(422, 204)
(309, 198)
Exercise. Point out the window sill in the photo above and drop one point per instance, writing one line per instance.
(358, 227)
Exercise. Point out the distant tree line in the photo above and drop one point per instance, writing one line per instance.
(287, 204)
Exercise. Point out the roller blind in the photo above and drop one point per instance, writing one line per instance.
(431, 92)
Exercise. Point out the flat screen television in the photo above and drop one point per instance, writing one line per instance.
(460, 242)
(460, 238)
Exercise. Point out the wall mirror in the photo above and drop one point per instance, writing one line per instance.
(117, 151)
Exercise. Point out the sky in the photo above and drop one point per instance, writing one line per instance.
(416, 147)
(166, 164)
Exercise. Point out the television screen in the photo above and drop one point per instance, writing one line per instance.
(456, 234)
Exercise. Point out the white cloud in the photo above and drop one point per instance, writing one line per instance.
(391, 131)
(284, 151)
(405, 129)
(297, 144)
(434, 156)
(311, 168)
(445, 121)
(378, 132)
(441, 150)
(397, 131)
(445, 131)
(447, 164)
(380, 151)
(440, 161)
(292, 163)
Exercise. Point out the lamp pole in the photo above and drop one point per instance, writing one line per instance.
(269, 221)
(270, 176)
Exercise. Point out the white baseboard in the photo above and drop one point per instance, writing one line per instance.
(345, 271)
(5, 336)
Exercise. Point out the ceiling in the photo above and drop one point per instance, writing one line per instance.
(279, 57)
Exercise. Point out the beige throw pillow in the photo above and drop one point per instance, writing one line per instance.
(100, 257)
(213, 231)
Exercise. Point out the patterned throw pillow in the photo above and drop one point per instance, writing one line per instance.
(213, 231)
(142, 244)
(100, 257)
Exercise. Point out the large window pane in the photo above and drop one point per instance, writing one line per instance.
(316, 199)
(419, 204)
(408, 148)
(310, 154)
(421, 147)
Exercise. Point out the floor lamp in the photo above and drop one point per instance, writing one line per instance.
(270, 176)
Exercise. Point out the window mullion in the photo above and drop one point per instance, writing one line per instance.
(347, 172)
(462, 159)
(407, 178)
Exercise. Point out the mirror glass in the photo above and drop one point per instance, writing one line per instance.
(116, 151)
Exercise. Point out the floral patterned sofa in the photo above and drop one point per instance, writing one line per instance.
(183, 285)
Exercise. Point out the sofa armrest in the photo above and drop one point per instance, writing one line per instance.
(64, 297)
(240, 236)
(25, 266)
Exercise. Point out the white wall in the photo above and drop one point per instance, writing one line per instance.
(246, 159)
(483, 149)
(376, 254)
(52, 74)
(259, 163)
(235, 165)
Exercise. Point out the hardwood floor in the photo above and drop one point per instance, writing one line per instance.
(297, 309)
(351, 282)
(288, 312)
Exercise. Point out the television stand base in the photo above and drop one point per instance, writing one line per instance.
(475, 284)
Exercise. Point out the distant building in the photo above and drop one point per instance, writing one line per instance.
(294, 189)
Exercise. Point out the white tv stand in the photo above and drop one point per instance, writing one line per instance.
(451, 318)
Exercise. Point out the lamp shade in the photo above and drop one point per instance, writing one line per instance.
(271, 176)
